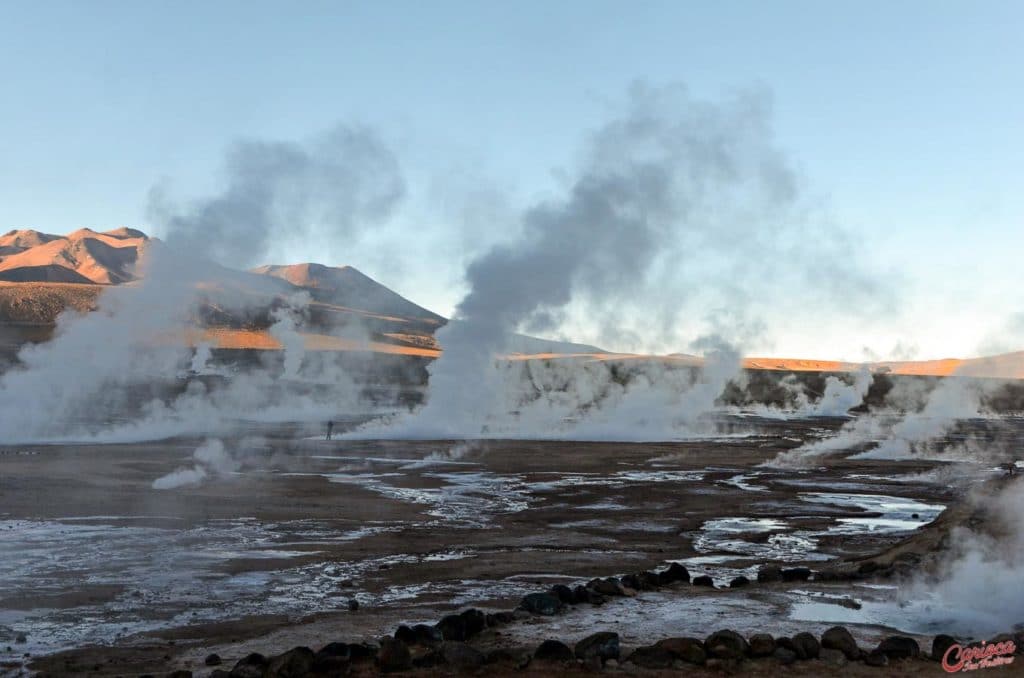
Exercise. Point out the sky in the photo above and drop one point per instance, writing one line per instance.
(902, 121)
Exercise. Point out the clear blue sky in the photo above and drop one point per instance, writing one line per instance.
(905, 118)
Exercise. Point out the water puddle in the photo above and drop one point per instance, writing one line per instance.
(894, 514)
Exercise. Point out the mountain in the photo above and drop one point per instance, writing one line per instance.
(346, 287)
(84, 257)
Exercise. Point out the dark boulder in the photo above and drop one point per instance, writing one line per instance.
(767, 574)
(739, 582)
(609, 586)
(582, 594)
(250, 666)
(426, 635)
(361, 652)
(806, 646)
(762, 645)
(630, 581)
(452, 627)
(500, 618)
(784, 655)
(212, 659)
(704, 580)
(876, 658)
(353, 605)
(652, 658)
(649, 580)
(476, 621)
(675, 572)
(563, 593)
(462, 656)
(795, 574)
(839, 638)
(689, 650)
(899, 647)
(393, 655)
(332, 658)
(541, 603)
(726, 644)
(940, 644)
(294, 663)
(832, 657)
(405, 634)
(504, 657)
(553, 651)
(428, 659)
(603, 646)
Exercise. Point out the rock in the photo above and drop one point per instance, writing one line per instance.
(649, 580)
(219, 673)
(767, 574)
(832, 657)
(652, 658)
(476, 621)
(393, 655)
(428, 660)
(762, 645)
(630, 581)
(500, 618)
(739, 582)
(940, 644)
(726, 644)
(603, 646)
(180, 673)
(294, 663)
(876, 658)
(504, 657)
(689, 650)
(703, 580)
(462, 656)
(563, 593)
(795, 574)
(21, 638)
(333, 658)
(784, 655)
(361, 652)
(806, 646)
(582, 594)
(899, 647)
(353, 605)
(541, 603)
(839, 638)
(553, 651)
(675, 572)
(427, 636)
(212, 659)
(405, 634)
(250, 666)
(452, 627)
(610, 586)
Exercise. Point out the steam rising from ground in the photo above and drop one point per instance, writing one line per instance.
(211, 459)
(977, 583)
(98, 368)
(675, 198)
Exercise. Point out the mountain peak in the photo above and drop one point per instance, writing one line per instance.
(349, 287)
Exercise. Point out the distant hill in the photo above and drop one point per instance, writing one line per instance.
(84, 256)
(347, 287)
(42, 274)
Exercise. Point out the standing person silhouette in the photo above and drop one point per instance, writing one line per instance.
(330, 428)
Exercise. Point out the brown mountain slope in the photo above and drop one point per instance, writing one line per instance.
(347, 287)
(80, 257)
